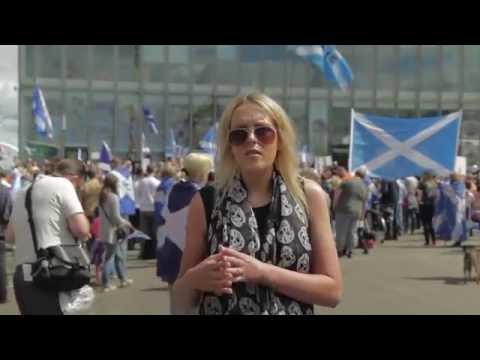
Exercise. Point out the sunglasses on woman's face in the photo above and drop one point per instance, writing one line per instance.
(264, 134)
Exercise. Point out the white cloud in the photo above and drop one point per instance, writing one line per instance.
(9, 63)
(9, 93)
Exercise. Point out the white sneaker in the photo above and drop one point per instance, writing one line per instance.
(109, 288)
(126, 283)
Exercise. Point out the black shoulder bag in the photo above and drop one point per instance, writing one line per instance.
(61, 267)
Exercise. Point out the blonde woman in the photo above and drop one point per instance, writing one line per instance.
(267, 247)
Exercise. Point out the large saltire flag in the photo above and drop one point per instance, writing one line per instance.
(43, 121)
(393, 148)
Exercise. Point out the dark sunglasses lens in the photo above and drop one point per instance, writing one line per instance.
(238, 137)
(265, 134)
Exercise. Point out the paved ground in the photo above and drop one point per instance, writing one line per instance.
(398, 277)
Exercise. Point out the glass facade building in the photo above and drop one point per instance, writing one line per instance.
(100, 90)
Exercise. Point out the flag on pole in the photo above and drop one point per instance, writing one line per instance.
(314, 54)
(209, 140)
(150, 119)
(171, 148)
(336, 68)
(105, 157)
(329, 60)
(43, 121)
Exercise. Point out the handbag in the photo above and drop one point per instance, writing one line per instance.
(60, 267)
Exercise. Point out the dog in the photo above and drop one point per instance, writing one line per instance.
(471, 259)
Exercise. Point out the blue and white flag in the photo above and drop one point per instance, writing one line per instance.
(393, 148)
(209, 140)
(43, 121)
(125, 191)
(330, 61)
(314, 54)
(172, 235)
(336, 68)
(449, 221)
(150, 119)
(105, 157)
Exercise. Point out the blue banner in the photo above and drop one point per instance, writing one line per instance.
(393, 148)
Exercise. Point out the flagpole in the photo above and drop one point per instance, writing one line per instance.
(289, 83)
(63, 137)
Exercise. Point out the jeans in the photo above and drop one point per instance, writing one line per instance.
(115, 260)
(426, 213)
(410, 220)
(346, 232)
(399, 218)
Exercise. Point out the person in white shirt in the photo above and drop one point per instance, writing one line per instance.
(146, 190)
(59, 219)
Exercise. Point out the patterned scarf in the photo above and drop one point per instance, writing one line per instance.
(285, 243)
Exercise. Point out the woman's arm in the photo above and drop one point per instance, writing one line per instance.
(323, 286)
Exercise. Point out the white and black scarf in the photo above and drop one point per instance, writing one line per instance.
(285, 243)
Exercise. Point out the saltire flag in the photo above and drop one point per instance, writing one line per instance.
(125, 191)
(336, 68)
(314, 54)
(393, 148)
(150, 119)
(43, 121)
(105, 160)
(209, 140)
(172, 234)
(330, 61)
(449, 221)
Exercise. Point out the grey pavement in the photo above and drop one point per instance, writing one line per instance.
(398, 277)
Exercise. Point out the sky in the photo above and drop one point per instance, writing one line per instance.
(9, 94)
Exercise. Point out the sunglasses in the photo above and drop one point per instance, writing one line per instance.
(265, 134)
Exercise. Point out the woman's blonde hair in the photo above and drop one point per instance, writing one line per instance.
(197, 166)
(286, 162)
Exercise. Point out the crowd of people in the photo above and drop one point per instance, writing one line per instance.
(254, 233)
(407, 204)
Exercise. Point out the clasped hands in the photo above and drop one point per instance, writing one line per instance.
(218, 272)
